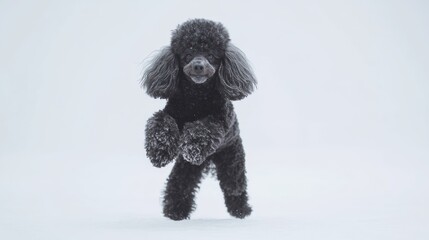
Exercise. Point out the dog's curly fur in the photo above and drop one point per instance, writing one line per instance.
(198, 126)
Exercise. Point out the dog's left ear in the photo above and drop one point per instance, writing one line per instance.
(236, 78)
(160, 77)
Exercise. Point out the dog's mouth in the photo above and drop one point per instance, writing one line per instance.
(199, 70)
(199, 78)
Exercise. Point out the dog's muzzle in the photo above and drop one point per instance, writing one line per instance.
(199, 69)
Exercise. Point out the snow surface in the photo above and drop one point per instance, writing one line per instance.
(305, 194)
(336, 135)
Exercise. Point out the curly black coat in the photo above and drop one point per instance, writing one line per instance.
(198, 126)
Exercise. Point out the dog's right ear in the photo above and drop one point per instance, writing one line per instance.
(160, 77)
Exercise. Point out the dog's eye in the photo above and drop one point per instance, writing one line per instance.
(210, 57)
(188, 57)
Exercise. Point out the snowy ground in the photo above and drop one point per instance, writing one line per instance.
(304, 194)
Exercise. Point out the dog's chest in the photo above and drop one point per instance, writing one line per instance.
(185, 110)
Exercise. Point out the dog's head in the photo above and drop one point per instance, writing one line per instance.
(201, 49)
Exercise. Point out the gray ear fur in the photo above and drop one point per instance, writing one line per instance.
(160, 77)
(236, 78)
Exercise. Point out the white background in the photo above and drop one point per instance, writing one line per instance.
(336, 135)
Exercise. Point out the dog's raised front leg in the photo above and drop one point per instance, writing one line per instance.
(162, 139)
(201, 138)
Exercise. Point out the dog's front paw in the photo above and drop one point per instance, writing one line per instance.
(192, 153)
(197, 142)
(162, 139)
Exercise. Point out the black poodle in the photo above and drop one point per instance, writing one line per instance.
(199, 74)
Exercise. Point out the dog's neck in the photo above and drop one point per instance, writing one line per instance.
(194, 101)
(204, 93)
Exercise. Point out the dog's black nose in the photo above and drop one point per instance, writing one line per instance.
(198, 67)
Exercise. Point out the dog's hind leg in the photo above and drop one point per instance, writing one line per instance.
(182, 185)
(231, 173)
